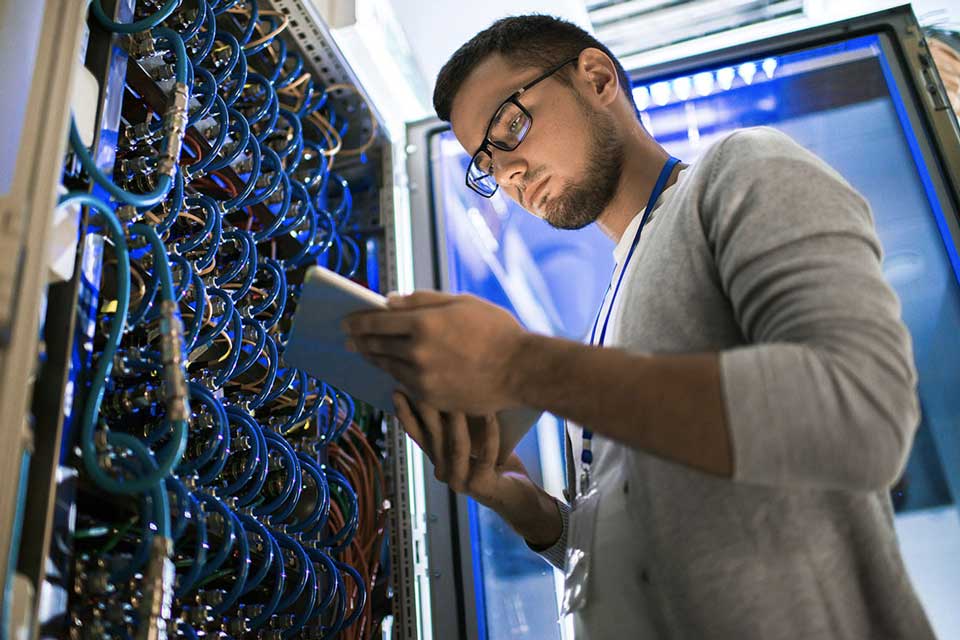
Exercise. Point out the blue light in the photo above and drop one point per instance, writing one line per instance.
(769, 66)
(747, 71)
(725, 77)
(682, 87)
(660, 92)
(641, 95)
(703, 83)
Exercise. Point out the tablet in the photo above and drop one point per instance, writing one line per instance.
(317, 345)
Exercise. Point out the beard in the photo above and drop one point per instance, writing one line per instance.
(577, 205)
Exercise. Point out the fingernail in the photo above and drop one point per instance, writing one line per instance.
(350, 345)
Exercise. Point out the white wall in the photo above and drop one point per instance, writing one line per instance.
(437, 28)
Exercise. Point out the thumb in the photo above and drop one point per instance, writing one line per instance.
(418, 299)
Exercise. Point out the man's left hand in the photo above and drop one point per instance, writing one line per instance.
(452, 351)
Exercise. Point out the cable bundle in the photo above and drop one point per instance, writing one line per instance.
(229, 494)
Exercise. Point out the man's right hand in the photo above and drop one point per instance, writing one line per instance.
(448, 441)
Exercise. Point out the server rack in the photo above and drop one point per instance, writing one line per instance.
(43, 377)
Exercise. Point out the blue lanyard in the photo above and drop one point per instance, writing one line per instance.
(586, 455)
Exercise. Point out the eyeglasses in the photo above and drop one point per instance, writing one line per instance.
(506, 130)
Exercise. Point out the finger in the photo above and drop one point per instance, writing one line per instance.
(411, 424)
(418, 299)
(490, 448)
(398, 347)
(458, 446)
(379, 323)
(433, 425)
(401, 370)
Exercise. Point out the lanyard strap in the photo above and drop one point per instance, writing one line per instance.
(586, 455)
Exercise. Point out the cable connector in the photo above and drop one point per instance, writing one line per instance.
(157, 603)
(175, 127)
(141, 45)
(171, 355)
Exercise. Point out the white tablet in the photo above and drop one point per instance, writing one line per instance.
(317, 346)
(317, 343)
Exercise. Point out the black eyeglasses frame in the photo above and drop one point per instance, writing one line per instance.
(514, 99)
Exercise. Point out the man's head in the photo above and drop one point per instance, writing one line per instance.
(569, 164)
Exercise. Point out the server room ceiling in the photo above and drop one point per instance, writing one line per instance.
(634, 26)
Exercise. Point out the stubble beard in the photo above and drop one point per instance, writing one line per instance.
(578, 205)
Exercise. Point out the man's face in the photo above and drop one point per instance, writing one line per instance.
(568, 167)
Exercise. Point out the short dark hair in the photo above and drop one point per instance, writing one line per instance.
(536, 40)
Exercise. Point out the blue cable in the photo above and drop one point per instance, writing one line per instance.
(141, 25)
(333, 578)
(253, 459)
(193, 28)
(292, 477)
(240, 577)
(227, 70)
(309, 594)
(209, 224)
(206, 338)
(164, 183)
(276, 592)
(303, 562)
(260, 479)
(321, 507)
(246, 362)
(235, 83)
(221, 438)
(281, 387)
(254, 579)
(222, 117)
(242, 238)
(247, 31)
(256, 79)
(184, 516)
(272, 363)
(361, 590)
(209, 36)
(226, 372)
(341, 539)
(188, 580)
(241, 199)
(229, 536)
(278, 288)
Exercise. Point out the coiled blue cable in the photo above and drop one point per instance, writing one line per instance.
(333, 578)
(255, 578)
(209, 36)
(229, 535)
(292, 481)
(321, 507)
(361, 590)
(236, 347)
(133, 27)
(272, 363)
(341, 539)
(240, 576)
(278, 587)
(302, 572)
(253, 459)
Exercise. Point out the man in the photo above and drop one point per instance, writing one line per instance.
(754, 395)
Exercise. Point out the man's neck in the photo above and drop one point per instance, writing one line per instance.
(643, 161)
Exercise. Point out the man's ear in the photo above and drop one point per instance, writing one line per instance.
(598, 75)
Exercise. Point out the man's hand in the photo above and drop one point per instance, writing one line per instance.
(446, 440)
(452, 351)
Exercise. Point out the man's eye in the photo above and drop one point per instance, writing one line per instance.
(516, 123)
